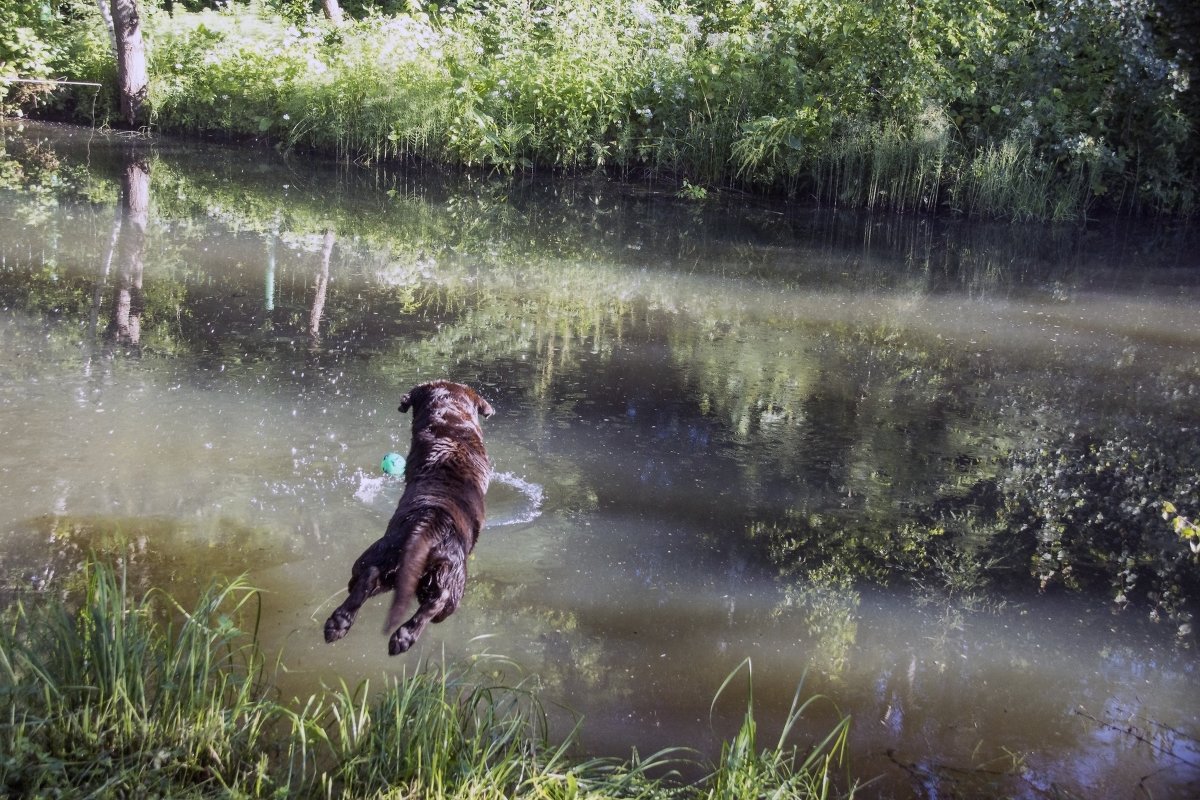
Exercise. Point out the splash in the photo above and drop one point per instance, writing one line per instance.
(369, 486)
(533, 494)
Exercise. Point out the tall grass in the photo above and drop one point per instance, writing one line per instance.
(113, 696)
(745, 771)
(886, 167)
(109, 697)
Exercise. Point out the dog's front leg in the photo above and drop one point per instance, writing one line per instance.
(364, 585)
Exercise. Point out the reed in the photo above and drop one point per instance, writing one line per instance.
(886, 166)
(112, 696)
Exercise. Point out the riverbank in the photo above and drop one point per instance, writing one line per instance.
(998, 110)
(107, 694)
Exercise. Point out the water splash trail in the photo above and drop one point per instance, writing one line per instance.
(534, 495)
(370, 487)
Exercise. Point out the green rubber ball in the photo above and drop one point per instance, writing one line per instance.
(392, 464)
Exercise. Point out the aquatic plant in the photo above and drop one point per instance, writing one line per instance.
(746, 771)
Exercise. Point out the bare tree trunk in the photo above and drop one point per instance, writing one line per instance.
(132, 77)
(333, 11)
(106, 14)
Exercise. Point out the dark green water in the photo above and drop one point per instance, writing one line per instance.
(723, 432)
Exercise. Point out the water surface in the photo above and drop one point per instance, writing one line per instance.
(206, 382)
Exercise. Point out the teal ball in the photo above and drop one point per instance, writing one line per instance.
(392, 464)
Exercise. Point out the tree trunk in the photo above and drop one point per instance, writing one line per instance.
(132, 77)
(333, 11)
(106, 14)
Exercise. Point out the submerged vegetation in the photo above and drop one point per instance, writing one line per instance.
(1001, 108)
(106, 694)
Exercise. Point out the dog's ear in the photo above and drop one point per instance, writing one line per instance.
(485, 408)
(405, 403)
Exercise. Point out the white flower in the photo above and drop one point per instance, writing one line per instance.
(287, 116)
(643, 14)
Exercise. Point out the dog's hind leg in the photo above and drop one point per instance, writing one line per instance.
(439, 593)
(364, 585)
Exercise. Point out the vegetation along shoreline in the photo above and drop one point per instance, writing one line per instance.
(1000, 109)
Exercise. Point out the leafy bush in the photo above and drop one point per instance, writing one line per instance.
(999, 107)
(64, 39)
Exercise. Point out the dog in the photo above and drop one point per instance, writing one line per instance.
(424, 550)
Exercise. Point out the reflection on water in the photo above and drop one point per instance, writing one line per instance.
(722, 433)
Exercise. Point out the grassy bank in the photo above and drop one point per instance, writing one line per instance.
(1000, 108)
(114, 696)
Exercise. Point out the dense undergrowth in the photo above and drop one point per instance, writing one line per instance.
(1003, 107)
(109, 695)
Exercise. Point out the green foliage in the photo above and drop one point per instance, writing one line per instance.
(998, 108)
(1091, 90)
(54, 39)
(28, 44)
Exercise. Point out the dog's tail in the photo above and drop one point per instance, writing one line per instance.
(412, 565)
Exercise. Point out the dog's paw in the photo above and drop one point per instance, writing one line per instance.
(401, 640)
(337, 626)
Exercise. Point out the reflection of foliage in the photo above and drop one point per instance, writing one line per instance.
(1188, 530)
(828, 605)
(1085, 506)
(1078, 507)
(888, 444)
(569, 663)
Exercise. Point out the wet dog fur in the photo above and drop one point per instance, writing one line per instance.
(424, 550)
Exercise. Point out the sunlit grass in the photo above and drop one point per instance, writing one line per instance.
(116, 696)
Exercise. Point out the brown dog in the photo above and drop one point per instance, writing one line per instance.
(424, 550)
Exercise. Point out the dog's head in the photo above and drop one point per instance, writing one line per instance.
(426, 397)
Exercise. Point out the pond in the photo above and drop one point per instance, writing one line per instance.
(916, 466)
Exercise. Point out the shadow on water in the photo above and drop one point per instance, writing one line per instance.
(922, 460)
